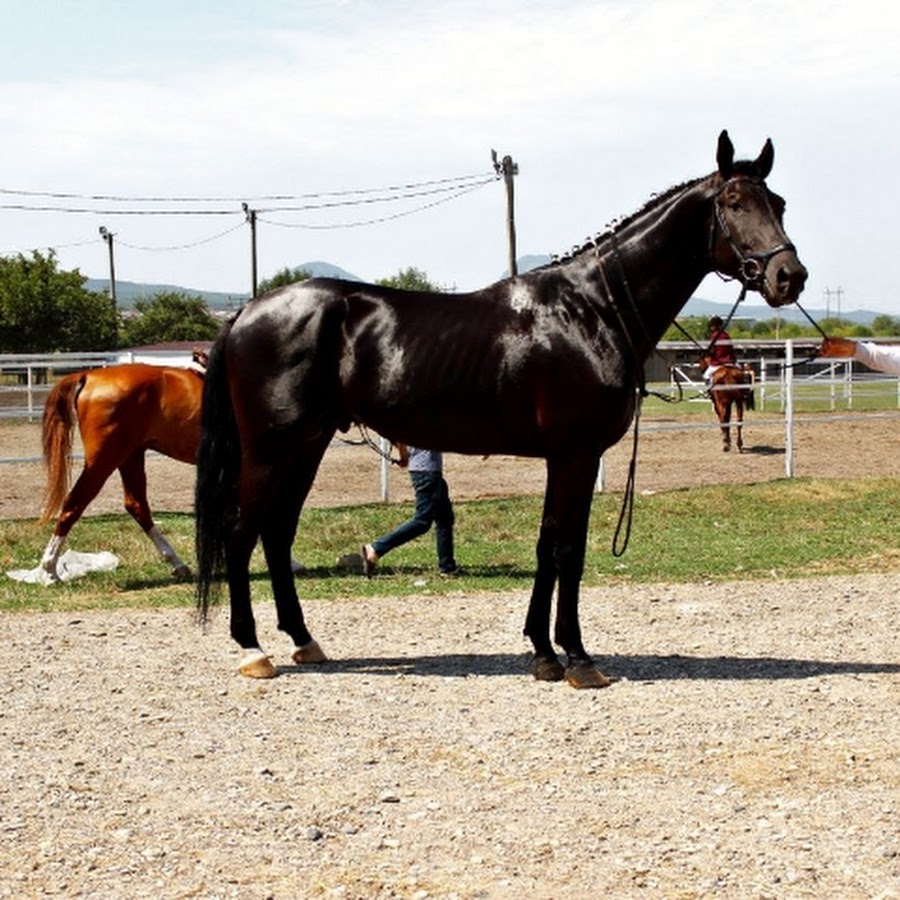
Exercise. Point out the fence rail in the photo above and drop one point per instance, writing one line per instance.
(839, 386)
(26, 378)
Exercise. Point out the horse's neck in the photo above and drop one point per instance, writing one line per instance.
(657, 261)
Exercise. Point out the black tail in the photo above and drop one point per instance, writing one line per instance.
(749, 395)
(218, 467)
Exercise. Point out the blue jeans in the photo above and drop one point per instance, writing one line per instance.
(432, 505)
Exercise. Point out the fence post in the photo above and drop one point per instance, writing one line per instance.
(788, 404)
(30, 395)
(762, 384)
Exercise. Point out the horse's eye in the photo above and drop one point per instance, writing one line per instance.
(735, 205)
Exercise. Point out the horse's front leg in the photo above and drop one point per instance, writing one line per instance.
(574, 492)
(739, 425)
(545, 666)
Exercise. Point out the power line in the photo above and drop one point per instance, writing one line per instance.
(118, 198)
(206, 240)
(373, 221)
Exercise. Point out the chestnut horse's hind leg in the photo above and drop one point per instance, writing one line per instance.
(88, 485)
(723, 410)
(739, 423)
(134, 485)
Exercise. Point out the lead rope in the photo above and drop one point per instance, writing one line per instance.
(626, 513)
(368, 441)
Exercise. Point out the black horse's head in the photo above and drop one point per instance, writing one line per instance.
(747, 239)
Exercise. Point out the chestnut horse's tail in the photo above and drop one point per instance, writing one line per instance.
(56, 437)
(218, 467)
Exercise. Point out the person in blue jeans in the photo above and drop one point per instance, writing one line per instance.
(432, 506)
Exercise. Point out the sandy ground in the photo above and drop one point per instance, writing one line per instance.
(749, 747)
(672, 454)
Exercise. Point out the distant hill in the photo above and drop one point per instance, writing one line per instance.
(319, 269)
(127, 292)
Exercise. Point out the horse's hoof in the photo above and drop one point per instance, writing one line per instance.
(257, 665)
(547, 669)
(309, 653)
(182, 573)
(586, 675)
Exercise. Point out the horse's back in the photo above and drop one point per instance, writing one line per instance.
(484, 372)
(140, 406)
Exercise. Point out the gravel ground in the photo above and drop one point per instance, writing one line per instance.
(749, 747)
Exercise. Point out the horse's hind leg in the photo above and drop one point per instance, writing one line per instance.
(90, 481)
(134, 485)
(278, 535)
(545, 665)
(725, 420)
(739, 425)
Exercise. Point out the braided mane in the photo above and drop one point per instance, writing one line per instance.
(655, 201)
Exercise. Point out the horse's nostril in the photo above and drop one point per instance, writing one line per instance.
(791, 278)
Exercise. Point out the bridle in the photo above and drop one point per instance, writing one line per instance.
(751, 264)
(751, 272)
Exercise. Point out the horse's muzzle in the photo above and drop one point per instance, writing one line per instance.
(787, 281)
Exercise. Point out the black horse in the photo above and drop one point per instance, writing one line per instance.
(547, 364)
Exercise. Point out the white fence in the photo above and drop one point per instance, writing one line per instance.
(26, 379)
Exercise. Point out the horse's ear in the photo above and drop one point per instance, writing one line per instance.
(725, 155)
(763, 164)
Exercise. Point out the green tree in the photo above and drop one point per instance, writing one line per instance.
(282, 278)
(885, 326)
(410, 279)
(46, 310)
(169, 316)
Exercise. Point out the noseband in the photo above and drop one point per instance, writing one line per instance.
(751, 264)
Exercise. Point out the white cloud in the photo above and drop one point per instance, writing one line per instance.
(600, 102)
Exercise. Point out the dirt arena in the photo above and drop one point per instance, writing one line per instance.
(672, 454)
(748, 748)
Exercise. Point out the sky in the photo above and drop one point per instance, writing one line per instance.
(375, 120)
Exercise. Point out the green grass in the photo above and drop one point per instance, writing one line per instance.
(785, 528)
(875, 395)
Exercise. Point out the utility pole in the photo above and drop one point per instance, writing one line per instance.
(108, 237)
(837, 292)
(251, 218)
(508, 169)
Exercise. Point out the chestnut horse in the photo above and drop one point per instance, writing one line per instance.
(121, 412)
(730, 386)
(546, 364)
